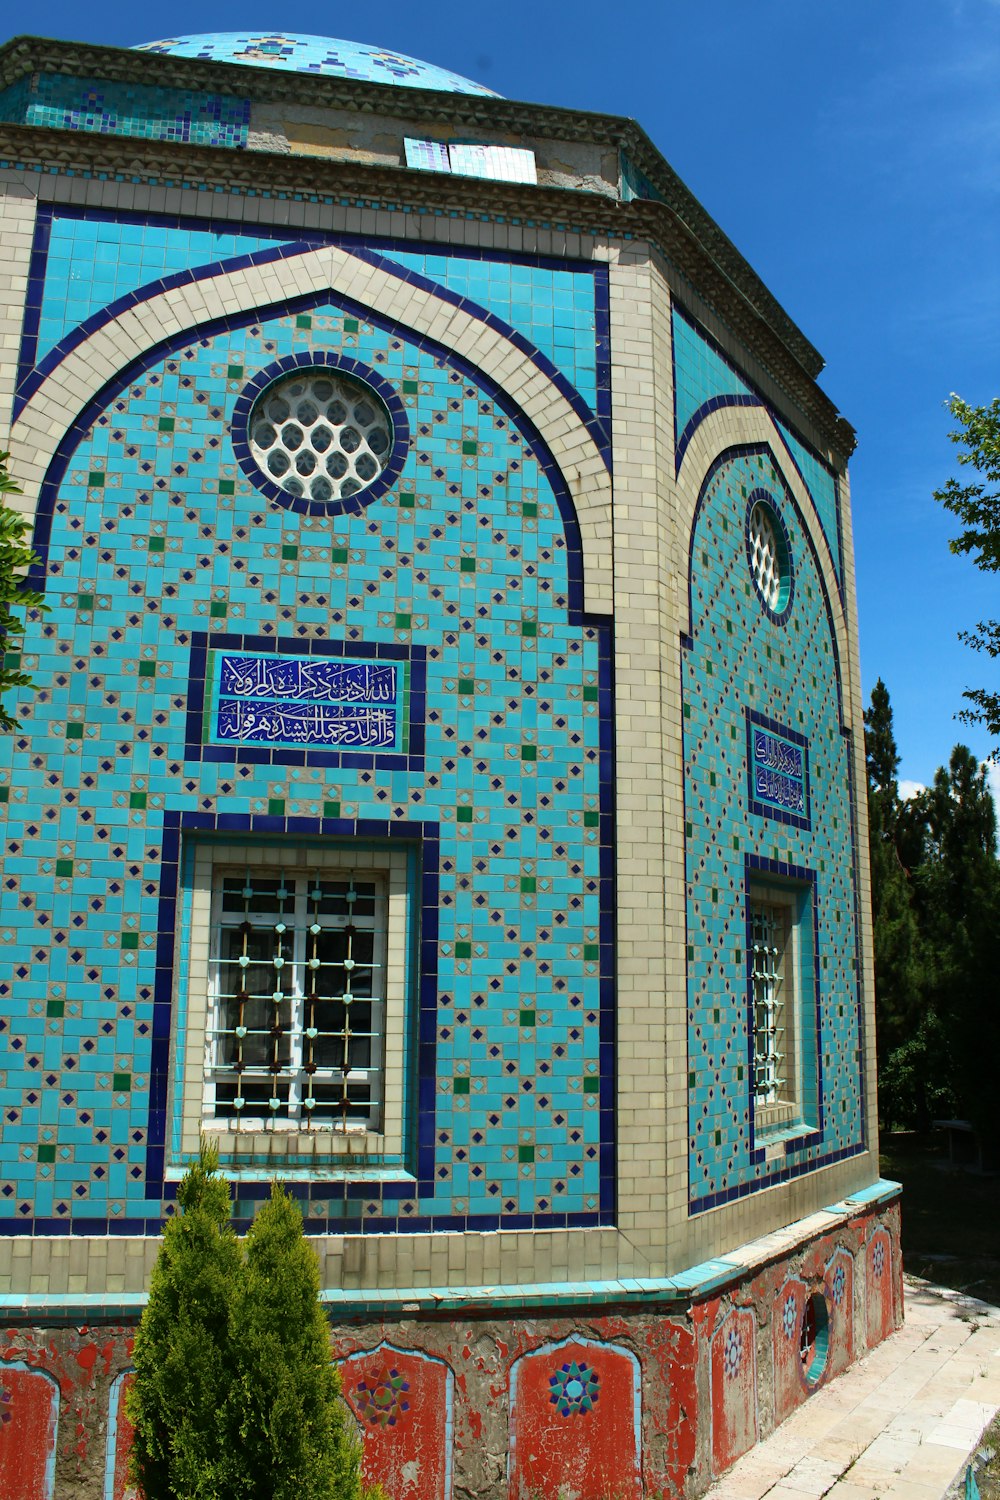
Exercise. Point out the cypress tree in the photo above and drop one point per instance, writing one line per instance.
(897, 979)
(184, 1352)
(294, 1442)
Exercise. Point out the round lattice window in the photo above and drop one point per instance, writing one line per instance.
(320, 434)
(768, 554)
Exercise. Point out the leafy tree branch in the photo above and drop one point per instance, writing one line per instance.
(15, 594)
(977, 506)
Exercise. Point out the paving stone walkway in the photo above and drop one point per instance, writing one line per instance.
(901, 1424)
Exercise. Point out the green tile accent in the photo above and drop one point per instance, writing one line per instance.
(305, 321)
(64, 867)
(289, 554)
(74, 731)
(234, 372)
(529, 752)
(467, 564)
(529, 508)
(331, 809)
(591, 1084)
(529, 627)
(590, 692)
(157, 543)
(591, 952)
(95, 479)
(4, 793)
(276, 807)
(121, 1082)
(46, 1152)
(591, 818)
(218, 608)
(130, 940)
(84, 601)
(527, 885)
(137, 800)
(463, 950)
(525, 1153)
(463, 814)
(147, 669)
(227, 487)
(338, 555)
(460, 1086)
(12, 660)
(411, 387)
(165, 424)
(527, 1018)
(467, 686)
(351, 325)
(55, 1008)
(403, 622)
(470, 447)
(407, 501)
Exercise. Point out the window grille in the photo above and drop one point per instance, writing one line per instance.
(769, 925)
(296, 1002)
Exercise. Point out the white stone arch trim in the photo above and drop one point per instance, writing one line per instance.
(739, 426)
(55, 406)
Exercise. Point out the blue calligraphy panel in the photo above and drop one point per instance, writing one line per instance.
(778, 769)
(299, 701)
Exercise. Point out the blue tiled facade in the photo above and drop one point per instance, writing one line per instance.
(166, 553)
(747, 673)
(706, 380)
(157, 549)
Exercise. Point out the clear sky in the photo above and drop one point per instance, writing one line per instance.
(851, 149)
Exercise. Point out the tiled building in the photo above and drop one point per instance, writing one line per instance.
(445, 780)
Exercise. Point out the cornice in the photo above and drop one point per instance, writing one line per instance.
(271, 175)
(263, 85)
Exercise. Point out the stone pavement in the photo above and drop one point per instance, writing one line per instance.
(901, 1424)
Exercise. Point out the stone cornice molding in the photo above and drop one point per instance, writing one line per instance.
(517, 119)
(399, 189)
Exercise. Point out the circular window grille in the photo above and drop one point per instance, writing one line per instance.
(768, 556)
(320, 434)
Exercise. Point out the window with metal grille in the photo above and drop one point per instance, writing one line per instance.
(770, 927)
(296, 1019)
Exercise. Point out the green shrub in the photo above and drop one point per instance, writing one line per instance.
(235, 1396)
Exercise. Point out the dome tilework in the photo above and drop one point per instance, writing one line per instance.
(324, 56)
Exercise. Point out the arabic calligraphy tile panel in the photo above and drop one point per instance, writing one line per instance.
(778, 770)
(744, 673)
(159, 550)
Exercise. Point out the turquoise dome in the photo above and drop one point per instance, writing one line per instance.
(322, 55)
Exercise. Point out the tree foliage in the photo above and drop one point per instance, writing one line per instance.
(15, 594)
(185, 1354)
(936, 914)
(235, 1396)
(977, 506)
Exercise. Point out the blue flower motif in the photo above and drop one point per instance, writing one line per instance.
(574, 1389)
(788, 1318)
(839, 1282)
(878, 1259)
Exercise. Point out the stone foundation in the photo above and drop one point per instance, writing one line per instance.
(600, 1394)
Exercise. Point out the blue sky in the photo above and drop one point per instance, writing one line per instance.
(852, 152)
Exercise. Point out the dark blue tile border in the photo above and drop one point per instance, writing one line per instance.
(196, 749)
(767, 809)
